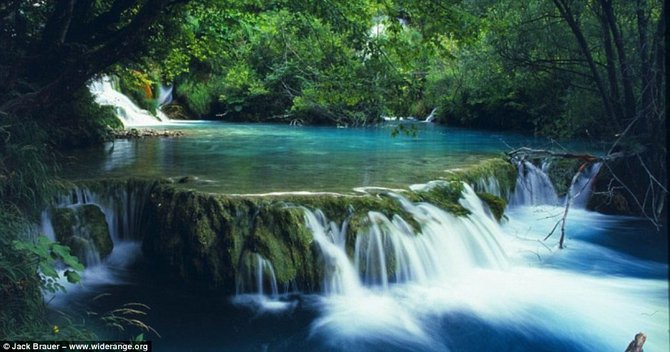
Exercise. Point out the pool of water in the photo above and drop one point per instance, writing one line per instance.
(260, 158)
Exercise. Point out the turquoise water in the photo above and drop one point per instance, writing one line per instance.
(260, 158)
(609, 283)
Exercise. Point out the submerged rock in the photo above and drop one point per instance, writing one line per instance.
(85, 230)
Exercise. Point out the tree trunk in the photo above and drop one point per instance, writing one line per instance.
(566, 13)
(629, 96)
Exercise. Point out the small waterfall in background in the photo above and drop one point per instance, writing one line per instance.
(581, 190)
(129, 113)
(165, 94)
(431, 116)
(533, 186)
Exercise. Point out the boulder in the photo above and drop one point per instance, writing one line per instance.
(84, 229)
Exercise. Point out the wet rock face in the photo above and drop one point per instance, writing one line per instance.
(203, 238)
(85, 230)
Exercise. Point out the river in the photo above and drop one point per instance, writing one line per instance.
(467, 284)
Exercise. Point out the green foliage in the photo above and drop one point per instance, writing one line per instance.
(48, 256)
(25, 170)
(81, 122)
(495, 204)
(344, 63)
(20, 292)
(140, 87)
(199, 95)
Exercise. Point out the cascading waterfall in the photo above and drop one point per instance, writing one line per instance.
(257, 276)
(129, 113)
(490, 185)
(533, 186)
(122, 208)
(340, 275)
(581, 189)
(445, 247)
(419, 282)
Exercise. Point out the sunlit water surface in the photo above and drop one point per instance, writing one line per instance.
(260, 158)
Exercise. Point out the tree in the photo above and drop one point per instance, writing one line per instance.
(52, 48)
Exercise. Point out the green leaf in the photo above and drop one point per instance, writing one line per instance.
(48, 270)
(72, 276)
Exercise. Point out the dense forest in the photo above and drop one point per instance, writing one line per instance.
(556, 68)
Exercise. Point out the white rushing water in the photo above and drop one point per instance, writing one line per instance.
(533, 186)
(130, 114)
(459, 278)
(400, 287)
(123, 212)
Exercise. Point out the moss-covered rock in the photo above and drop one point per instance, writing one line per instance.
(81, 228)
(496, 170)
(561, 172)
(445, 195)
(202, 237)
(496, 204)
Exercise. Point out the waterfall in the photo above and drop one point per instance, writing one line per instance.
(340, 275)
(390, 252)
(256, 275)
(256, 286)
(165, 94)
(581, 189)
(122, 208)
(533, 186)
(490, 185)
(431, 116)
(129, 113)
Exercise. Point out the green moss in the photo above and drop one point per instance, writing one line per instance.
(496, 204)
(497, 168)
(561, 172)
(81, 227)
(445, 196)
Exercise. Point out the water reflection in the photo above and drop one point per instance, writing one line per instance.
(241, 158)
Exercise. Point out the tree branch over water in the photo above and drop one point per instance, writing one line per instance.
(587, 160)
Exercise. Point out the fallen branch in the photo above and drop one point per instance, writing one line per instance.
(524, 153)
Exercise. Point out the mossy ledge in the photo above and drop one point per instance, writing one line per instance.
(203, 238)
(496, 176)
